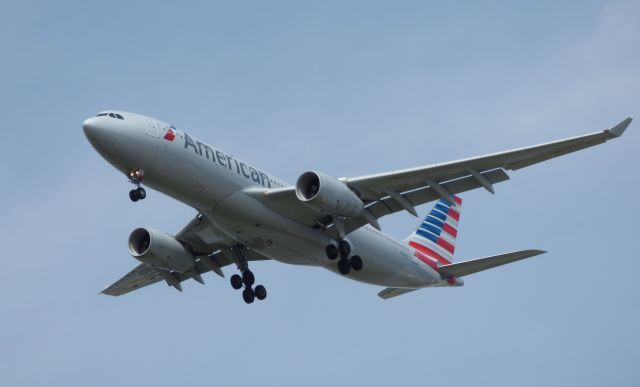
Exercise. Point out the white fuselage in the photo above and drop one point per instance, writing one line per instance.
(213, 181)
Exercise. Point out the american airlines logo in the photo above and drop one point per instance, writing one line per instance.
(170, 135)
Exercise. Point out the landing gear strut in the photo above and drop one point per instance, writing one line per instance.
(246, 278)
(343, 250)
(136, 177)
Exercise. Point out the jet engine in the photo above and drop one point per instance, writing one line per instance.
(326, 194)
(160, 250)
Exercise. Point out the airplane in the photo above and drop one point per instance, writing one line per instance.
(245, 214)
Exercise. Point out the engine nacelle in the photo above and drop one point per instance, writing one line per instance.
(326, 194)
(158, 249)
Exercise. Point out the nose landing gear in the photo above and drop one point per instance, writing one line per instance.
(344, 263)
(135, 177)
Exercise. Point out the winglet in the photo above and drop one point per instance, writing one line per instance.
(619, 129)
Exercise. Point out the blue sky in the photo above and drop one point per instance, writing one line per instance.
(348, 88)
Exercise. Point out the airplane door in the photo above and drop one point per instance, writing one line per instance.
(153, 127)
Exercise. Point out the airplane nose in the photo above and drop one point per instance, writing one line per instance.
(99, 133)
(90, 127)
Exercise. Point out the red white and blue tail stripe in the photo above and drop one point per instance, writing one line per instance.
(436, 236)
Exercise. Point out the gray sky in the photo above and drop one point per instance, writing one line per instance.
(347, 88)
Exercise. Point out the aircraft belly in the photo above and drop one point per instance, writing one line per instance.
(246, 220)
(386, 261)
(271, 234)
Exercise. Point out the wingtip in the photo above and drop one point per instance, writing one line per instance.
(619, 129)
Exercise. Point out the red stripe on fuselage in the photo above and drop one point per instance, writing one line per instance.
(432, 264)
(458, 200)
(445, 245)
(450, 230)
(429, 252)
(454, 214)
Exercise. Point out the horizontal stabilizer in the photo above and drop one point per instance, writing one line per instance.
(393, 292)
(475, 265)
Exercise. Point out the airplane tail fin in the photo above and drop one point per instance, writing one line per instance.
(436, 235)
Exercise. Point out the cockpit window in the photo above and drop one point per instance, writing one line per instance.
(112, 115)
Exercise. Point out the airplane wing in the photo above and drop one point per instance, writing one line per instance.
(390, 192)
(206, 244)
(375, 186)
(143, 275)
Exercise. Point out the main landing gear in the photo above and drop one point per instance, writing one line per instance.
(136, 177)
(246, 278)
(343, 250)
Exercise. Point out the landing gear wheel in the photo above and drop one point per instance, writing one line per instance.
(141, 193)
(135, 177)
(356, 263)
(343, 266)
(248, 278)
(261, 292)
(344, 248)
(332, 252)
(236, 281)
(248, 296)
